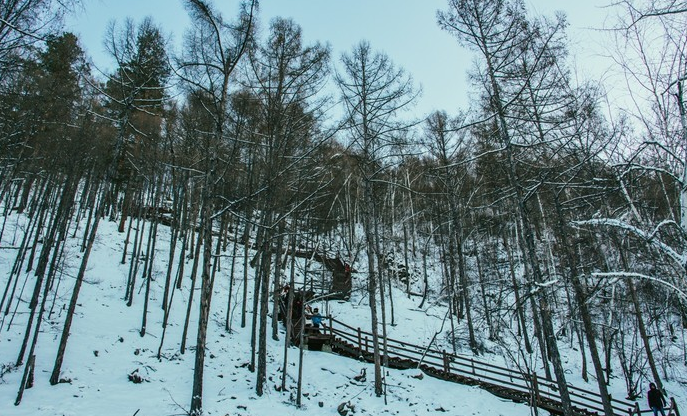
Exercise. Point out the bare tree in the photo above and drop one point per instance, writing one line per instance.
(651, 50)
(447, 145)
(649, 9)
(500, 32)
(213, 50)
(374, 92)
(287, 76)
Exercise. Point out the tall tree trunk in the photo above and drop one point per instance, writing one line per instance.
(382, 300)
(288, 313)
(277, 281)
(127, 239)
(246, 244)
(232, 279)
(265, 265)
(59, 359)
(44, 210)
(194, 274)
(27, 378)
(262, 245)
(59, 223)
(205, 291)
(465, 286)
(581, 299)
(406, 263)
(519, 307)
(32, 227)
(150, 259)
(641, 326)
(483, 293)
(369, 221)
(170, 263)
(126, 205)
(135, 258)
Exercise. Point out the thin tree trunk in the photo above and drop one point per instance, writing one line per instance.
(165, 319)
(57, 368)
(194, 274)
(148, 266)
(19, 261)
(170, 263)
(265, 264)
(135, 259)
(126, 205)
(206, 290)
(466, 297)
(405, 258)
(28, 376)
(425, 274)
(246, 244)
(288, 313)
(234, 251)
(519, 308)
(127, 239)
(43, 212)
(581, 298)
(256, 299)
(369, 221)
(485, 305)
(642, 329)
(185, 231)
(59, 222)
(277, 282)
(301, 347)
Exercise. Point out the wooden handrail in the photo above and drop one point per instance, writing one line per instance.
(672, 409)
(478, 370)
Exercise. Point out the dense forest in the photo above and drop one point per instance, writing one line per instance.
(557, 218)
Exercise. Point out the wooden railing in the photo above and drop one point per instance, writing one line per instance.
(505, 382)
(670, 411)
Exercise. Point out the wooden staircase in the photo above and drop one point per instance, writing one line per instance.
(516, 385)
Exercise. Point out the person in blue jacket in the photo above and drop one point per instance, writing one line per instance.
(316, 318)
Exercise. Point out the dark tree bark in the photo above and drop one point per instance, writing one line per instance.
(581, 299)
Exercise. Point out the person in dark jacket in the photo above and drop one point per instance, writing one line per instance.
(656, 399)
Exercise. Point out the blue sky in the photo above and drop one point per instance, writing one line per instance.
(406, 30)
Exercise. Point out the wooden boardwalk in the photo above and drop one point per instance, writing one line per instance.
(516, 385)
(519, 386)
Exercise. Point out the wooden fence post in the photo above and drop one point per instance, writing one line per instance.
(636, 410)
(360, 343)
(444, 357)
(535, 390)
(472, 365)
(673, 405)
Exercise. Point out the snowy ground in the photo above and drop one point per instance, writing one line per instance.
(105, 347)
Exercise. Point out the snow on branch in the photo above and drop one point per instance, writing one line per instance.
(631, 275)
(649, 237)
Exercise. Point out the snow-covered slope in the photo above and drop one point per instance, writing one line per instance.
(105, 347)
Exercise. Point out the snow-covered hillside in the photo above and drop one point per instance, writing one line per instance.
(105, 348)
